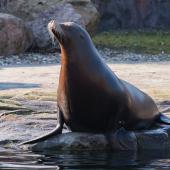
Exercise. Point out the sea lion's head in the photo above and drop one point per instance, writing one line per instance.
(70, 35)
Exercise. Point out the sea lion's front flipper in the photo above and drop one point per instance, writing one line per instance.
(163, 119)
(56, 131)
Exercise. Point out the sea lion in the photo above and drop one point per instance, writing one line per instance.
(91, 98)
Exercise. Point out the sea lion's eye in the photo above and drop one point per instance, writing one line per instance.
(81, 36)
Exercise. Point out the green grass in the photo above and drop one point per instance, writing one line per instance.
(144, 42)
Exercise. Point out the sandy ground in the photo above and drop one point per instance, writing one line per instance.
(150, 77)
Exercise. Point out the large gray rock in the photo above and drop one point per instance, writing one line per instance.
(14, 36)
(121, 140)
(61, 12)
(88, 12)
(81, 12)
(26, 9)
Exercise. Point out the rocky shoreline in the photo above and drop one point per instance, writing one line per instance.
(108, 55)
(28, 100)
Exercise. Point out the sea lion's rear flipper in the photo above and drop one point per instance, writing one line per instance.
(56, 131)
(163, 119)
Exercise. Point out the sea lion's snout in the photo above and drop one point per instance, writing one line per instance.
(55, 30)
(51, 25)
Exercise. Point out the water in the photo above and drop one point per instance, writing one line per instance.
(84, 160)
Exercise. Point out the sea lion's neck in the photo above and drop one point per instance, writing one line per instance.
(64, 57)
(79, 57)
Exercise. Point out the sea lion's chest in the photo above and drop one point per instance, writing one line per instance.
(85, 95)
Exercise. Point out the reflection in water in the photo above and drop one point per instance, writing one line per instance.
(67, 160)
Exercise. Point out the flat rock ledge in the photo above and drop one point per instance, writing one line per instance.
(157, 139)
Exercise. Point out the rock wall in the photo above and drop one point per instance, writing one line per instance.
(134, 14)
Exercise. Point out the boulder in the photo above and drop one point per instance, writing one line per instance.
(81, 12)
(121, 140)
(61, 12)
(88, 12)
(26, 10)
(14, 36)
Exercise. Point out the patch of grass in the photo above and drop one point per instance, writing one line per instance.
(144, 42)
